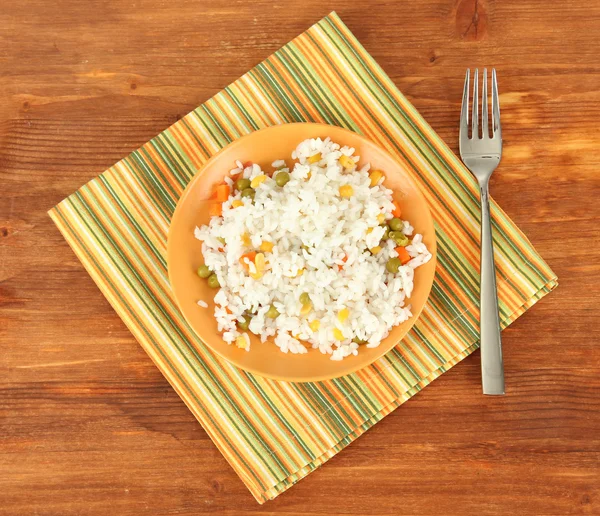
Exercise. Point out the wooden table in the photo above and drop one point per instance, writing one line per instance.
(87, 423)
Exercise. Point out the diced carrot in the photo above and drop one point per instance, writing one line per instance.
(403, 255)
(396, 212)
(344, 259)
(251, 256)
(216, 209)
(222, 192)
(248, 164)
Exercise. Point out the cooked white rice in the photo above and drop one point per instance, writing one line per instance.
(312, 228)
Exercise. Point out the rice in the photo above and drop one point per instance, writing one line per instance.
(321, 244)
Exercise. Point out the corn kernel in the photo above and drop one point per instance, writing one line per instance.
(346, 191)
(306, 309)
(347, 162)
(337, 334)
(256, 275)
(259, 262)
(369, 230)
(343, 314)
(375, 177)
(241, 342)
(246, 240)
(236, 204)
(315, 324)
(309, 175)
(314, 158)
(266, 246)
(299, 273)
(375, 250)
(258, 180)
(381, 218)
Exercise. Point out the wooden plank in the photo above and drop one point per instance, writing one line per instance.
(87, 423)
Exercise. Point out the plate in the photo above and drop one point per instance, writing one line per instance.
(184, 252)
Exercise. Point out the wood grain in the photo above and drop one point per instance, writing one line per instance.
(87, 423)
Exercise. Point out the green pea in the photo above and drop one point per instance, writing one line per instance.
(386, 233)
(393, 264)
(213, 281)
(204, 271)
(399, 238)
(306, 248)
(242, 183)
(304, 298)
(282, 178)
(395, 224)
(360, 342)
(272, 312)
(248, 192)
(244, 323)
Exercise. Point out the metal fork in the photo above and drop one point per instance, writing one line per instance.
(481, 154)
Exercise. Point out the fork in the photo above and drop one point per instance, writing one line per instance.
(481, 154)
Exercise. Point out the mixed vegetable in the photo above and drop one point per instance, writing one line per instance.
(254, 261)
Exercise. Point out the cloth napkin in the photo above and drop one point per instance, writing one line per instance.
(275, 433)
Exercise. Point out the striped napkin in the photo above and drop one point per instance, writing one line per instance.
(274, 433)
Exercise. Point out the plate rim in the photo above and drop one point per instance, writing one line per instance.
(349, 369)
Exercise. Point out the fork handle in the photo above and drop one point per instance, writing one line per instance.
(492, 369)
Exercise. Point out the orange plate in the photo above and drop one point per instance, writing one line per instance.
(185, 252)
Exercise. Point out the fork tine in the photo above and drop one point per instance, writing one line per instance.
(464, 110)
(485, 131)
(497, 130)
(475, 117)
